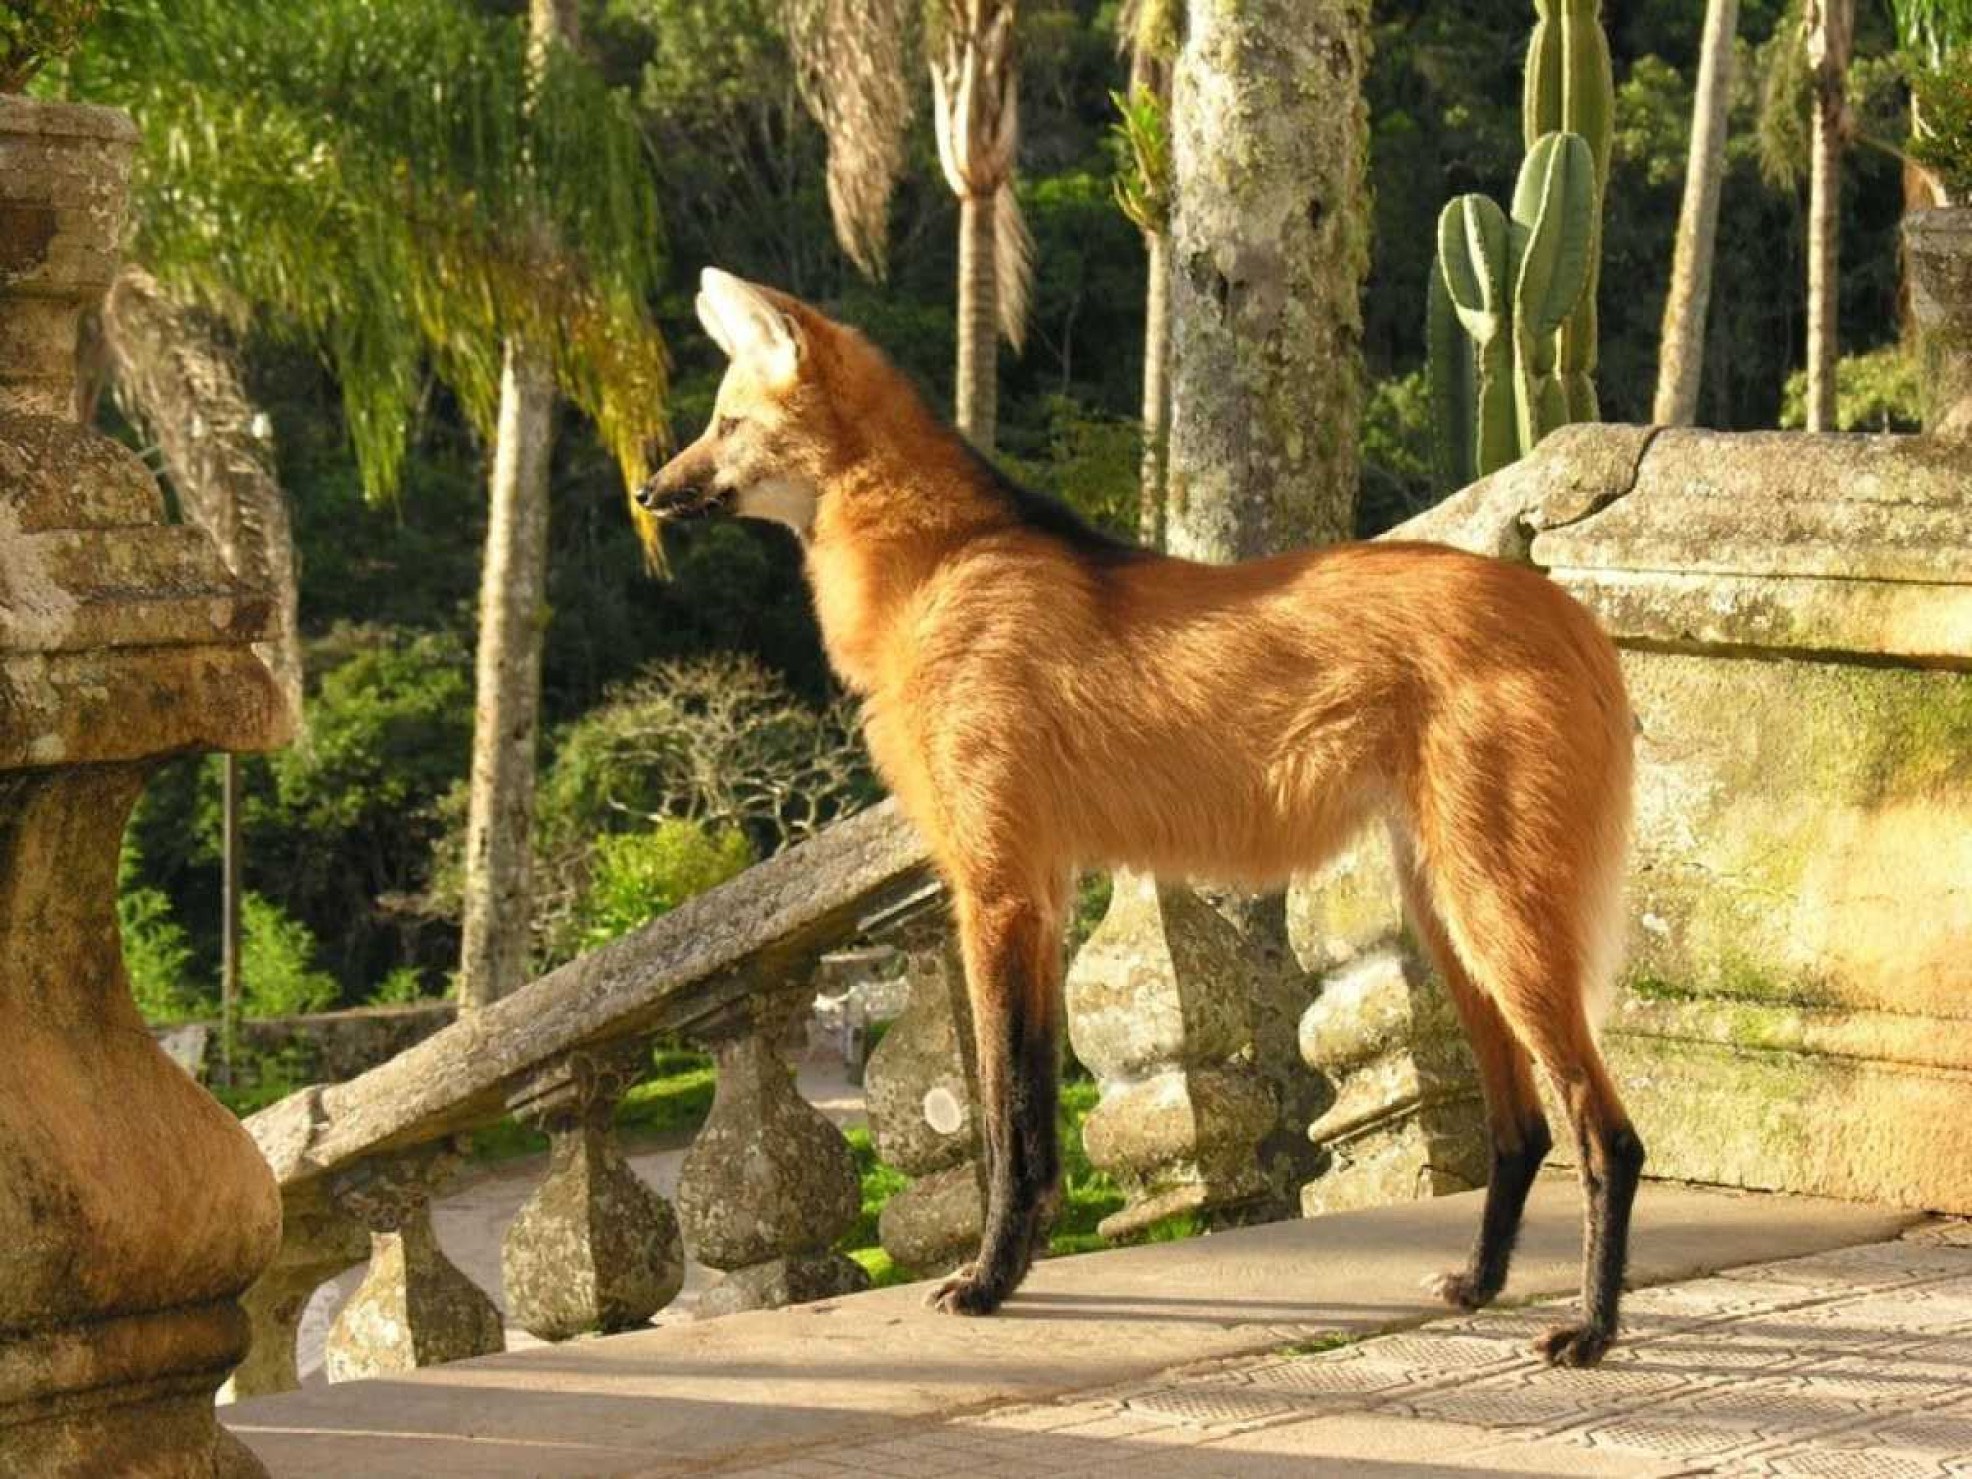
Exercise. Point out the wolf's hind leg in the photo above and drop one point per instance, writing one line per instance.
(1012, 961)
(1515, 1123)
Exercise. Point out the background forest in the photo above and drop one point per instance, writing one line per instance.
(688, 721)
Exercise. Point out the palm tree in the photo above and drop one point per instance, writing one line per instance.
(1681, 358)
(403, 189)
(852, 59)
(975, 86)
(1149, 28)
(1829, 28)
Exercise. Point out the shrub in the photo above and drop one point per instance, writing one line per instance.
(1944, 102)
(1873, 392)
(158, 956)
(278, 977)
(401, 987)
(636, 876)
(34, 33)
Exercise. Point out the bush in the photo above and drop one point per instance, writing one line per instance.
(1944, 102)
(34, 33)
(1873, 392)
(636, 876)
(278, 977)
(158, 956)
(401, 987)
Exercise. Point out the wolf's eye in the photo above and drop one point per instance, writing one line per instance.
(728, 425)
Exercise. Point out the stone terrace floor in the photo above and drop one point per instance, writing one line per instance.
(1769, 1335)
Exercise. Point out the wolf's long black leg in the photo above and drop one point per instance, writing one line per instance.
(1016, 1024)
(1611, 1164)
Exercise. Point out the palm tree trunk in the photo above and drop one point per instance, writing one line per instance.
(1681, 357)
(1156, 389)
(978, 373)
(513, 605)
(506, 718)
(1270, 224)
(1829, 28)
(179, 381)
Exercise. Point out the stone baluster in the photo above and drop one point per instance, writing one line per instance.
(133, 1208)
(1406, 1120)
(414, 1308)
(922, 1091)
(317, 1243)
(769, 1184)
(595, 1249)
(1159, 1009)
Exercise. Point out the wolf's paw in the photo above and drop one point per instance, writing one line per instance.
(1572, 1345)
(1457, 1290)
(963, 1294)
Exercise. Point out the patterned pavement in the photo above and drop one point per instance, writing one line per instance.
(1850, 1363)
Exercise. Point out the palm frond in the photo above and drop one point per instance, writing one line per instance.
(852, 61)
(394, 186)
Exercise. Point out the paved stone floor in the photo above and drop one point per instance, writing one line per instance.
(1768, 1334)
(1853, 1362)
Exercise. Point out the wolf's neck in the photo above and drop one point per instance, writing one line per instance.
(885, 529)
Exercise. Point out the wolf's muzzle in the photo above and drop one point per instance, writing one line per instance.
(678, 503)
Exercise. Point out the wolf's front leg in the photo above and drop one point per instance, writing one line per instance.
(1012, 949)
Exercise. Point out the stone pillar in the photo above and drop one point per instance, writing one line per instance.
(1158, 1009)
(1938, 248)
(769, 1184)
(594, 1250)
(317, 1243)
(414, 1308)
(922, 1089)
(1407, 1119)
(133, 1208)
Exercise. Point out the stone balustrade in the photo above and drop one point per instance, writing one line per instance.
(767, 1189)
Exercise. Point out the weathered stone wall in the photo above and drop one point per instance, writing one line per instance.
(1795, 615)
(320, 1047)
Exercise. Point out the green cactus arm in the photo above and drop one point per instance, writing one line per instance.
(1554, 219)
(1453, 381)
(1473, 251)
(1497, 432)
(1587, 84)
(1541, 97)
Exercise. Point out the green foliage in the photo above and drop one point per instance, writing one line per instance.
(1944, 101)
(1142, 140)
(1398, 450)
(157, 953)
(278, 976)
(673, 1100)
(1510, 283)
(1091, 463)
(636, 876)
(1876, 391)
(36, 32)
(402, 987)
(1931, 30)
(397, 188)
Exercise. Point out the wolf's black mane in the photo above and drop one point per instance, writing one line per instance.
(1051, 517)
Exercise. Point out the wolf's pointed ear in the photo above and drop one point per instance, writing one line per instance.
(747, 325)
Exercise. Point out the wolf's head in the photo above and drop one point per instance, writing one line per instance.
(774, 432)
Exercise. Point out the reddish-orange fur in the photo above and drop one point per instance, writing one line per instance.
(1038, 706)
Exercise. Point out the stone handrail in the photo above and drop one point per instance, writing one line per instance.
(595, 1249)
(678, 974)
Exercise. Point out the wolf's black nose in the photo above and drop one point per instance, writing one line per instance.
(646, 496)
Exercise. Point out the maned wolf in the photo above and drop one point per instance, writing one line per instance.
(1041, 698)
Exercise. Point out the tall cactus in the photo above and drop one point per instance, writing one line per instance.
(1570, 89)
(1503, 288)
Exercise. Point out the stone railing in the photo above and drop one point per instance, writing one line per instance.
(766, 1189)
